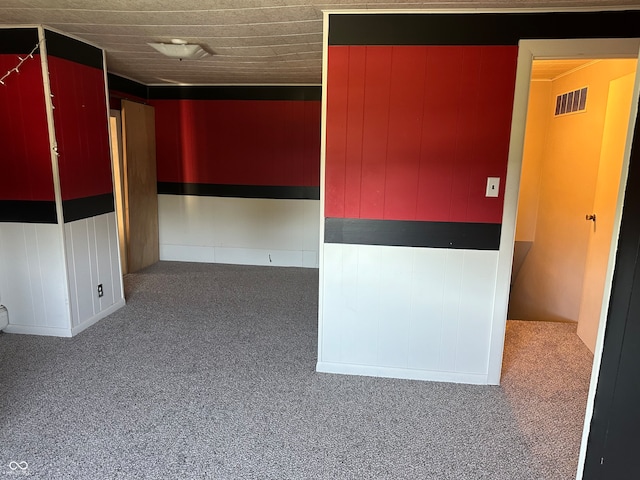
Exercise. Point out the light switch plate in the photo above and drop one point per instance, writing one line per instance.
(493, 186)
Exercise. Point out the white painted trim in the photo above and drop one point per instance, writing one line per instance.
(323, 154)
(99, 316)
(34, 330)
(509, 215)
(53, 148)
(529, 49)
(117, 114)
(402, 373)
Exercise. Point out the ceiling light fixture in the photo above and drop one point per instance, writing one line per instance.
(180, 49)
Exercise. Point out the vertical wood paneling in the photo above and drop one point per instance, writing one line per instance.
(442, 86)
(454, 268)
(394, 315)
(332, 318)
(80, 251)
(367, 295)
(376, 132)
(354, 131)
(80, 117)
(244, 230)
(476, 311)
(427, 313)
(424, 313)
(405, 128)
(238, 142)
(114, 252)
(26, 160)
(92, 261)
(433, 124)
(104, 264)
(336, 134)
(32, 278)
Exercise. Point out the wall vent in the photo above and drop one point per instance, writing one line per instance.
(571, 102)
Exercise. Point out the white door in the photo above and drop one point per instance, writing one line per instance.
(604, 207)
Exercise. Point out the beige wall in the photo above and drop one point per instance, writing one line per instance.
(561, 174)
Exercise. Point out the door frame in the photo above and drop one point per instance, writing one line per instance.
(550, 49)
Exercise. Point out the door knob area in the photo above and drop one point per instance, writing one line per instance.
(591, 217)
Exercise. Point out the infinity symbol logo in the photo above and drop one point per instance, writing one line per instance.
(18, 465)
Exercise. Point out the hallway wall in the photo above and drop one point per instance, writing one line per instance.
(549, 284)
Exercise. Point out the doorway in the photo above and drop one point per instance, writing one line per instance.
(135, 184)
(574, 146)
(528, 50)
(119, 173)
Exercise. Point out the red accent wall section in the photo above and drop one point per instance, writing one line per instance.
(238, 142)
(80, 118)
(413, 132)
(26, 160)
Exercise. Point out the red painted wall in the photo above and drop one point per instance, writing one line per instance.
(238, 142)
(80, 117)
(25, 160)
(413, 132)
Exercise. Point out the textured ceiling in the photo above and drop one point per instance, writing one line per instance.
(252, 41)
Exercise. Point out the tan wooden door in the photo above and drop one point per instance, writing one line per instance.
(604, 207)
(140, 192)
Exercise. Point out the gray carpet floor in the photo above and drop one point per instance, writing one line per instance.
(208, 372)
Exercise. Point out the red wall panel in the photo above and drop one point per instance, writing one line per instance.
(414, 131)
(25, 160)
(238, 142)
(80, 118)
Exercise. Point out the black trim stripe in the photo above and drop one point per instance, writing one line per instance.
(18, 40)
(403, 233)
(202, 92)
(478, 28)
(240, 191)
(69, 48)
(125, 85)
(87, 207)
(28, 211)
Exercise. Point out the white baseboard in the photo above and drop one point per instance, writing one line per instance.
(36, 330)
(63, 332)
(402, 373)
(108, 311)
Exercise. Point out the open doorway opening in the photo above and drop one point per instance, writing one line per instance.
(119, 182)
(574, 147)
(581, 49)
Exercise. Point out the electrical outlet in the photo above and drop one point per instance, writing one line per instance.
(100, 291)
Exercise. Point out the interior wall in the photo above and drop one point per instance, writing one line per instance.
(48, 274)
(32, 270)
(238, 174)
(77, 82)
(412, 133)
(550, 281)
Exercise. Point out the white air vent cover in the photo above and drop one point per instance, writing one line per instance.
(571, 102)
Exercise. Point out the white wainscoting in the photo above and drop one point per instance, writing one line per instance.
(417, 313)
(246, 231)
(33, 284)
(93, 259)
